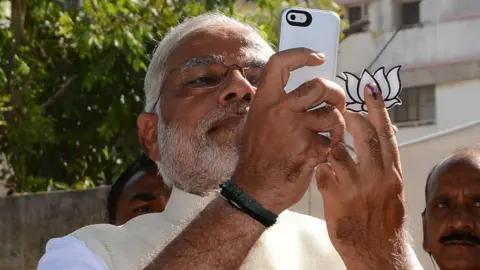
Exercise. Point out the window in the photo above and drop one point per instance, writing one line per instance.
(356, 13)
(410, 13)
(418, 106)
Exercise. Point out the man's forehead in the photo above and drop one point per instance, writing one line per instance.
(455, 170)
(225, 59)
(135, 178)
(241, 36)
(220, 45)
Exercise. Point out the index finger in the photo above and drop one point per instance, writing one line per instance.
(380, 120)
(315, 92)
(278, 71)
(365, 140)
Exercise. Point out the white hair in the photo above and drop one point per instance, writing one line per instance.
(157, 69)
(195, 161)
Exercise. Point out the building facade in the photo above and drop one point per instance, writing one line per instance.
(436, 42)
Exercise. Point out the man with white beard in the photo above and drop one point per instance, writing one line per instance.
(201, 82)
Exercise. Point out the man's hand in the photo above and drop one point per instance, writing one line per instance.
(280, 143)
(364, 201)
(280, 148)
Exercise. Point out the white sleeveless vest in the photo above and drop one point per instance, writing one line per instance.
(295, 242)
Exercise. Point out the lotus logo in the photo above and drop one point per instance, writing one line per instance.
(389, 85)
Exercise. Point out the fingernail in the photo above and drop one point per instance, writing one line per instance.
(321, 55)
(373, 90)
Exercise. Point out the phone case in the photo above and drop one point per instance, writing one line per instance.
(320, 32)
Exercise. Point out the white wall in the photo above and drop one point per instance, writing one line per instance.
(437, 10)
(443, 36)
(456, 104)
(428, 45)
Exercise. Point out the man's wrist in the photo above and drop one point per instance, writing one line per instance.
(393, 255)
(235, 218)
(242, 180)
(246, 204)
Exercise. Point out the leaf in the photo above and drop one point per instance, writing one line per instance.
(75, 143)
(106, 154)
(24, 69)
(61, 186)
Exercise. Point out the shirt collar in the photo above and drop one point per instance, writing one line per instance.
(183, 206)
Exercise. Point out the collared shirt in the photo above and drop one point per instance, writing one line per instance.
(296, 241)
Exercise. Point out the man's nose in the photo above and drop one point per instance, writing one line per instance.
(462, 219)
(235, 89)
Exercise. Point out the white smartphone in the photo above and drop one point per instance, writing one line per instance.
(314, 29)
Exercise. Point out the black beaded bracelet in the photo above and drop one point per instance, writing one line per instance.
(240, 200)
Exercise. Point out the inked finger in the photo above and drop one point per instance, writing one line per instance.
(316, 92)
(365, 140)
(378, 116)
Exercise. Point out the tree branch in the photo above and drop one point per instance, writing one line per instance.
(60, 91)
(19, 10)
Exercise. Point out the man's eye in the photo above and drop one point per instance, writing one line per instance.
(254, 81)
(202, 82)
(254, 76)
(441, 205)
(143, 209)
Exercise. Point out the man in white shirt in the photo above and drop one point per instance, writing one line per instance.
(201, 82)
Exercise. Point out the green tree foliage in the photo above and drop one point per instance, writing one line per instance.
(71, 80)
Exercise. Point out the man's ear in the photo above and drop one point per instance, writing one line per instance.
(424, 225)
(147, 124)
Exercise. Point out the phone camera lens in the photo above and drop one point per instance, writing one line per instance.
(293, 17)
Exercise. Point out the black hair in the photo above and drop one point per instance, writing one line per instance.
(142, 163)
(427, 183)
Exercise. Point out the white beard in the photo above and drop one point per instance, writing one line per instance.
(193, 162)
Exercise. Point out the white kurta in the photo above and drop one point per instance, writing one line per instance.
(296, 242)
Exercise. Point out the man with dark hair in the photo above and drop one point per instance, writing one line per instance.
(451, 219)
(139, 190)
